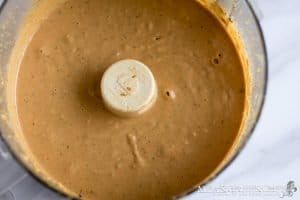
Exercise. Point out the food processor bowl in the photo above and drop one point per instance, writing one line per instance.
(238, 13)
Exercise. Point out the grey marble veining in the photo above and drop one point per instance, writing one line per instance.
(272, 155)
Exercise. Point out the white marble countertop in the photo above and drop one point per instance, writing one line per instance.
(272, 156)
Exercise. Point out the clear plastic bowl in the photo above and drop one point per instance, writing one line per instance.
(12, 12)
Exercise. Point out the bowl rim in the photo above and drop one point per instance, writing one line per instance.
(261, 106)
(209, 180)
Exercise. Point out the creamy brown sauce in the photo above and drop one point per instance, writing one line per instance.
(169, 149)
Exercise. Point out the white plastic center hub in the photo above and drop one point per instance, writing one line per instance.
(128, 88)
